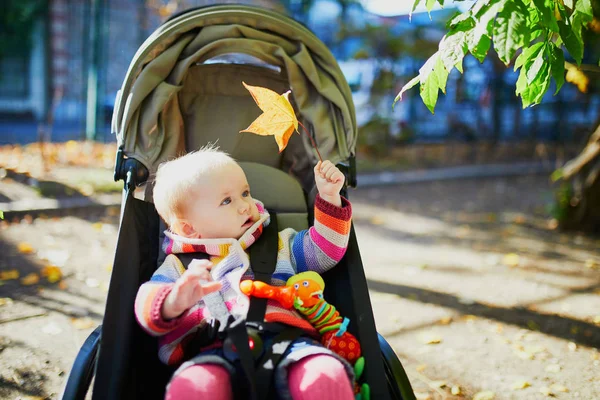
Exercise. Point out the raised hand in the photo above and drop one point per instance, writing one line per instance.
(189, 289)
(329, 180)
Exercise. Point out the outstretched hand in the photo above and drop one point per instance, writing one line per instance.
(189, 289)
(329, 180)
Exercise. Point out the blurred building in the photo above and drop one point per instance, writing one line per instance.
(79, 52)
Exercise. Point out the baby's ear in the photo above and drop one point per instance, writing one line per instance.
(185, 229)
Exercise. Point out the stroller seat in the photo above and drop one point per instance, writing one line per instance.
(183, 90)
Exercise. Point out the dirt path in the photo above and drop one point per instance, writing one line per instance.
(473, 289)
(469, 267)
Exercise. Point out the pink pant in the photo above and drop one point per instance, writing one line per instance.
(315, 377)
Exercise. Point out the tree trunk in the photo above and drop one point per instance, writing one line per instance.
(582, 175)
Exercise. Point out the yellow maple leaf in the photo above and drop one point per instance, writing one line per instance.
(278, 117)
(24, 248)
(9, 274)
(30, 279)
(52, 273)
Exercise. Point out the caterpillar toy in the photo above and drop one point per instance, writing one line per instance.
(304, 292)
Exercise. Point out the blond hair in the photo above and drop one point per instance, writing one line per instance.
(175, 179)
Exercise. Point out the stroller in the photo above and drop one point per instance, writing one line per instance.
(184, 89)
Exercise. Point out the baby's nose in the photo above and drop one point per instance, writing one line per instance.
(244, 208)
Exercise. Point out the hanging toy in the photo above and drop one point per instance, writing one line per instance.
(304, 292)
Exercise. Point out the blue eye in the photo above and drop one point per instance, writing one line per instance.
(296, 286)
(305, 283)
(246, 193)
(226, 201)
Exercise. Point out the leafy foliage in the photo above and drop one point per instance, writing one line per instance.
(17, 19)
(539, 29)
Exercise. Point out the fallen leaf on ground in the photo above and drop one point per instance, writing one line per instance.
(520, 385)
(377, 220)
(24, 248)
(511, 260)
(9, 274)
(5, 301)
(98, 226)
(456, 390)
(533, 325)
(438, 384)
(431, 338)
(592, 264)
(30, 279)
(485, 395)
(445, 321)
(421, 368)
(52, 273)
(83, 323)
(62, 285)
(574, 330)
(469, 317)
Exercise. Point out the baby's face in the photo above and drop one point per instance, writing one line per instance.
(221, 206)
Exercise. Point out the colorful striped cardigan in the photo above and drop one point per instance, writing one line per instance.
(318, 249)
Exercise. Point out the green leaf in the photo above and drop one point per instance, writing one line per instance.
(429, 92)
(479, 38)
(441, 2)
(546, 9)
(557, 65)
(429, 82)
(584, 8)
(572, 41)
(482, 48)
(533, 93)
(461, 22)
(453, 48)
(429, 4)
(534, 69)
(556, 175)
(406, 87)
(527, 54)
(1, 214)
(510, 30)
(441, 74)
(414, 7)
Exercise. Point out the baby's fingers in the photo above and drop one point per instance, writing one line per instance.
(209, 287)
(196, 263)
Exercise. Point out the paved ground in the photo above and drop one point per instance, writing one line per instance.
(469, 283)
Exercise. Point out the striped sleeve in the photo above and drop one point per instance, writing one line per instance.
(322, 246)
(151, 297)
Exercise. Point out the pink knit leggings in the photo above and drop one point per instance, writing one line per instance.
(315, 377)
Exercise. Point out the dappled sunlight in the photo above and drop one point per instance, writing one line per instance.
(54, 276)
(497, 290)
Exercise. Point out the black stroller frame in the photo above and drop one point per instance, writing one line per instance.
(121, 359)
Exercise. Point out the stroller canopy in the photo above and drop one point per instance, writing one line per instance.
(183, 88)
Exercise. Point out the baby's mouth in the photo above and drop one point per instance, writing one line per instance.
(248, 222)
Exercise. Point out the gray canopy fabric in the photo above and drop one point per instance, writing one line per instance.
(174, 99)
